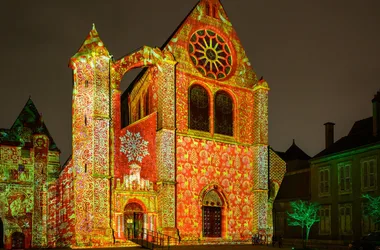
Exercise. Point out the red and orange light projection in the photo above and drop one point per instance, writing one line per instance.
(184, 151)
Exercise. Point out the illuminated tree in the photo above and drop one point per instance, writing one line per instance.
(372, 208)
(304, 215)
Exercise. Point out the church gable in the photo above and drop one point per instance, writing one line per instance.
(212, 47)
(28, 122)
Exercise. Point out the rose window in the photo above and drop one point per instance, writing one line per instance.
(210, 54)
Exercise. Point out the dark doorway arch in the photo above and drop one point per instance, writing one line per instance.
(212, 214)
(18, 240)
(1, 234)
(133, 219)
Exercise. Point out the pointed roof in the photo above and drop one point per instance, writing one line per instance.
(295, 186)
(216, 19)
(198, 15)
(28, 122)
(376, 98)
(293, 153)
(92, 45)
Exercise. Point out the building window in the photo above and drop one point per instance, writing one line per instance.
(368, 174)
(61, 215)
(223, 113)
(345, 218)
(207, 9)
(25, 153)
(64, 215)
(324, 182)
(146, 104)
(199, 109)
(325, 220)
(344, 177)
(368, 223)
(215, 11)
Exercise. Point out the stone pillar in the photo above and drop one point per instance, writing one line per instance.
(165, 142)
(260, 187)
(260, 157)
(40, 212)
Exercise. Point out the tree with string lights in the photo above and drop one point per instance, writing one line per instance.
(372, 208)
(304, 215)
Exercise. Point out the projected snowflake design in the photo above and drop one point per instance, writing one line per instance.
(134, 146)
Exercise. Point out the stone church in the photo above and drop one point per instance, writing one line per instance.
(183, 151)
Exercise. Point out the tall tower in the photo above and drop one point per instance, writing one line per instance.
(91, 141)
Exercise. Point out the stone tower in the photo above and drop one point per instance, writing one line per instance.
(91, 141)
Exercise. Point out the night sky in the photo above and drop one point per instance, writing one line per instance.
(321, 58)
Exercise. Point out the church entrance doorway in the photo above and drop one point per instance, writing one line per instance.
(212, 221)
(212, 214)
(18, 240)
(1, 234)
(133, 219)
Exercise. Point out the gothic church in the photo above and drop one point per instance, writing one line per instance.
(183, 151)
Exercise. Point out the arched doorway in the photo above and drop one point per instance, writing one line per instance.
(212, 206)
(133, 219)
(18, 240)
(1, 234)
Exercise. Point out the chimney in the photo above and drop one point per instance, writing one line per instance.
(376, 114)
(329, 134)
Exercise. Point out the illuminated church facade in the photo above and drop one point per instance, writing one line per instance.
(183, 151)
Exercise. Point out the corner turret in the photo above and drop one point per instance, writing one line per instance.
(92, 46)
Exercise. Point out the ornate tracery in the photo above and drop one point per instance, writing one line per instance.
(210, 54)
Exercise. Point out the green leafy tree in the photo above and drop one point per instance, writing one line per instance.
(372, 208)
(304, 215)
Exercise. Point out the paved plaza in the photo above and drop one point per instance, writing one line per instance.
(202, 247)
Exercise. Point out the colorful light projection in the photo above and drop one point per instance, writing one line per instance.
(227, 169)
(210, 54)
(25, 181)
(176, 176)
(138, 155)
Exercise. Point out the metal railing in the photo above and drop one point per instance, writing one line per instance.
(151, 239)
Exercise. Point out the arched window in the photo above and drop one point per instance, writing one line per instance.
(208, 9)
(215, 11)
(146, 103)
(223, 113)
(199, 117)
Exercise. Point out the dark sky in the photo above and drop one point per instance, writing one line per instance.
(321, 58)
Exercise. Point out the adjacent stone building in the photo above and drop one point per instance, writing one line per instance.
(29, 165)
(342, 173)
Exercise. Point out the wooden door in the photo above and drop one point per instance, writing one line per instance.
(212, 221)
(18, 240)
